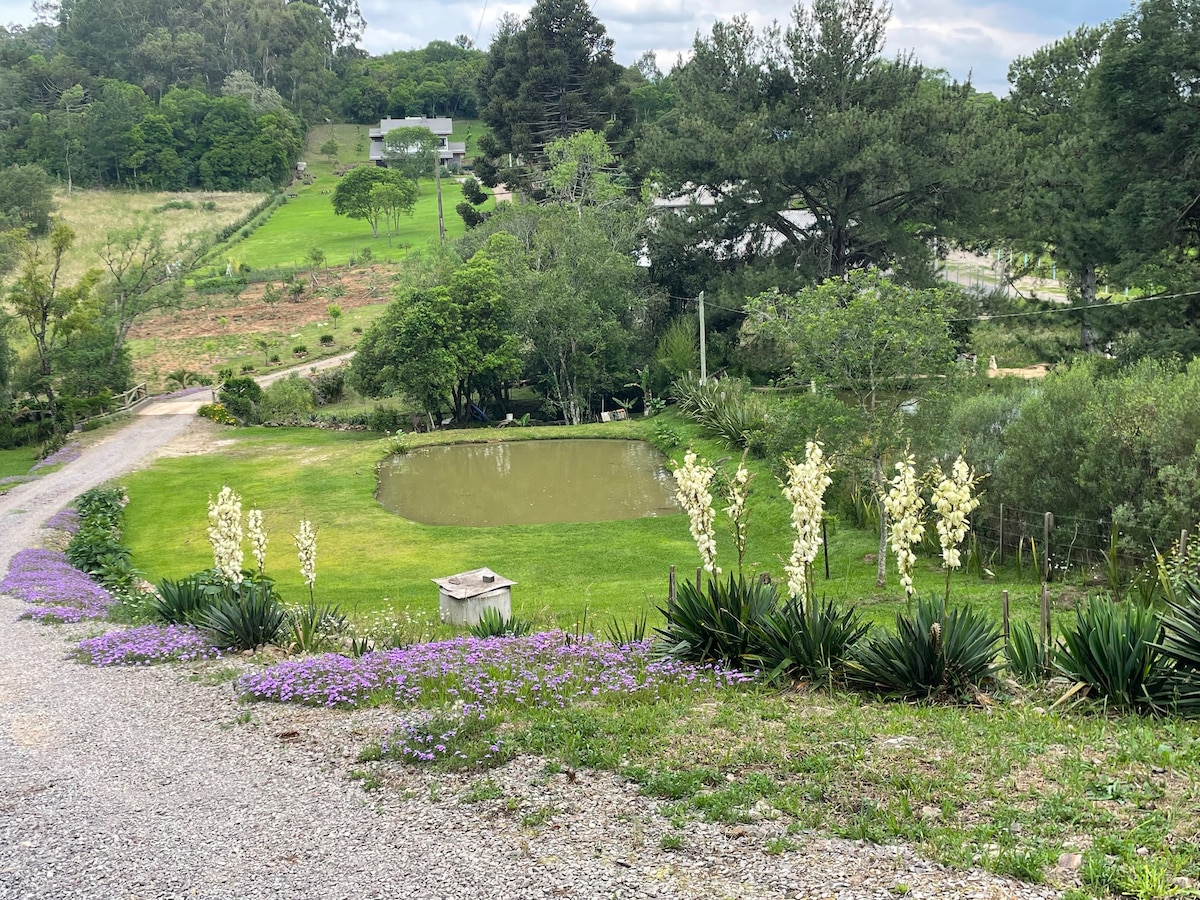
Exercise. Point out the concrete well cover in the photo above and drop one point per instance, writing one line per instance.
(466, 585)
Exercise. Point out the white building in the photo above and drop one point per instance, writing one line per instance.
(441, 127)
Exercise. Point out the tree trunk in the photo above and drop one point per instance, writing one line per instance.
(1087, 293)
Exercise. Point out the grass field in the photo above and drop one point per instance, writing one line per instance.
(307, 220)
(94, 213)
(17, 461)
(372, 561)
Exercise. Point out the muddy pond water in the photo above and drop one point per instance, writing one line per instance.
(528, 483)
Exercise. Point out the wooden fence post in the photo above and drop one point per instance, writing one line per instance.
(1045, 615)
(671, 590)
(1004, 615)
(699, 583)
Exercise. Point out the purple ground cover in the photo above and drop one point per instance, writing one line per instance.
(541, 670)
(66, 519)
(67, 454)
(53, 588)
(15, 479)
(147, 644)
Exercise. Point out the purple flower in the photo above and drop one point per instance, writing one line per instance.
(53, 588)
(147, 644)
(66, 519)
(67, 454)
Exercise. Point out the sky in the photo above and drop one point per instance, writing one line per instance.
(976, 40)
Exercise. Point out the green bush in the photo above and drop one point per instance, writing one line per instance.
(329, 385)
(96, 547)
(315, 627)
(240, 397)
(718, 623)
(727, 410)
(933, 652)
(386, 420)
(326, 340)
(245, 617)
(288, 401)
(1113, 649)
(217, 412)
(806, 639)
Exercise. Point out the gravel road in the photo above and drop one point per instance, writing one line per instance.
(156, 783)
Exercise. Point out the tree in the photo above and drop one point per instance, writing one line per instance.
(355, 197)
(807, 146)
(411, 151)
(443, 344)
(474, 196)
(871, 340)
(547, 78)
(1059, 202)
(50, 311)
(26, 199)
(580, 171)
(393, 201)
(145, 274)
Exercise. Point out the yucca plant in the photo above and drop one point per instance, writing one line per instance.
(717, 624)
(181, 602)
(493, 624)
(1027, 657)
(806, 639)
(311, 627)
(1180, 643)
(244, 618)
(726, 409)
(933, 652)
(623, 635)
(1114, 649)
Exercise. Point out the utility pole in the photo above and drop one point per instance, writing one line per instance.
(703, 354)
(437, 177)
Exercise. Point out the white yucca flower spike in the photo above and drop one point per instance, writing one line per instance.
(738, 493)
(693, 481)
(906, 526)
(225, 534)
(954, 499)
(258, 538)
(306, 550)
(805, 490)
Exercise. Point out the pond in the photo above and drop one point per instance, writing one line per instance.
(528, 483)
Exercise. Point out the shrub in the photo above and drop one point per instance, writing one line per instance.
(288, 401)
(240, 397)
(326, 340)
(300, 350)
(329, 385)
(727, 410)
(1027, 657)
(385, 420)
(96, 547)
(717, 624)
(217, 412)
(806, 639)
(933, 652)
(244, 618)
(1113, 648)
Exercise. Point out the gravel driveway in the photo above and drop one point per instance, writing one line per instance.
(156, 782)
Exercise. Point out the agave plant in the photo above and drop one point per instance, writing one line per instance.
(1114, 649)
(625, 635)
(181, 602)
(806, 639)
(717, 624)
(1180, 643)
(932, 652)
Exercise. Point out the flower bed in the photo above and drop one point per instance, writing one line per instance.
(545, 669)
(53, 588)
(146, 645)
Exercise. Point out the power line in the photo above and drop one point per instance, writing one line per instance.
(1066, 309)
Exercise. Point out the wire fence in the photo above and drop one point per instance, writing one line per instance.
(1057, 544)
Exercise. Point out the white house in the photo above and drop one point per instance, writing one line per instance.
(441, 127)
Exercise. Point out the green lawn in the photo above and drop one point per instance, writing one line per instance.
(307, 220)
(372, 561)
(17, 461)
